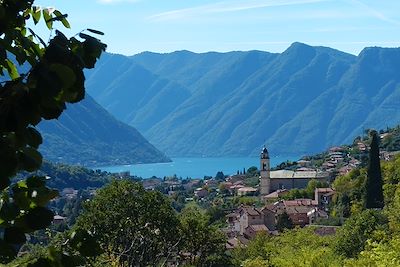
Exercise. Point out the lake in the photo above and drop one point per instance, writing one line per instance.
(194, 167)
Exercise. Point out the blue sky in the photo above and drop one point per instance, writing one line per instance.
(133, 26)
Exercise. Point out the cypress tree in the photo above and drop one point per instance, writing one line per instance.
(374, 184)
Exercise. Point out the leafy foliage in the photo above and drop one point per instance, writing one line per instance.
(350, 193)
(68, 176)
(307, 192)
(391, 171)
(298, 247)
(202, 241)
(352, 237)
(284, 222)
(391, 141)
(133, 226)
(55, 77)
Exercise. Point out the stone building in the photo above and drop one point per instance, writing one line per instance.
(246, 216)
(271, 181)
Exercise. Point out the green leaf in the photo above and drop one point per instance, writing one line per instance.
(37, 36)
(8, 211)
(51, 109)
(36, 14)
(20, 194)
(92, 49)
(87, 37)
(30, 158)
(96, 32)
(47, 18)
(64, 73)
(35, 181)
(14, 235)
(62, 17)
(85, 243)
(33, 137)
(12, 69)
(4, 182)
(7, 252)
(9, 161)
(68, 260)
(39, 218)
(41, 262)
(42, 196)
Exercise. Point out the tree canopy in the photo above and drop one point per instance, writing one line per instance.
(134, 226)
(38, 78)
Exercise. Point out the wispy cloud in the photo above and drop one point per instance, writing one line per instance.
(374, 12)
(227, 6)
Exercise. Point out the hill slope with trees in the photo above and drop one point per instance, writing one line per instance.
(300, 101)
(94, 137)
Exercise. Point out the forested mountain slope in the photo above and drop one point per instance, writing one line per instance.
(213, 104)
(87, 134)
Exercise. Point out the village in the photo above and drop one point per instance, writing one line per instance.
(262, 199)
(263, 196)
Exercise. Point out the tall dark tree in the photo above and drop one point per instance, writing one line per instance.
(374, 183)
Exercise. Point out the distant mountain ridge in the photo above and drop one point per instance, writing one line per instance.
(230, 104)
(86, 134)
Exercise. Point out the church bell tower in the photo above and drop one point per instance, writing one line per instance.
(265, 179)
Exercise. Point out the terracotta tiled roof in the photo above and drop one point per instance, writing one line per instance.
(299, 202)
(250, 211)
(277, 193)
(259, 227)
(324, 190)
(298, 209)
(247, 189)
(232, 243)
(243, 240)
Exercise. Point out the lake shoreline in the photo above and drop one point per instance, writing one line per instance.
(193, 167)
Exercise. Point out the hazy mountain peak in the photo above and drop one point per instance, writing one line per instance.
(301, 100)
(298, 47)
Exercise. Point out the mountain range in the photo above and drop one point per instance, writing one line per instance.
(229, 104)
(86, 134)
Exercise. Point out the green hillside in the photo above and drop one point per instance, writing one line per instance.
(86, 134)
(213, 104)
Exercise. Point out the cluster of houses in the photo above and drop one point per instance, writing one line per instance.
(247, 221)
(340, 161)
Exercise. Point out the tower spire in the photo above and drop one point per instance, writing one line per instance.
(265, 179)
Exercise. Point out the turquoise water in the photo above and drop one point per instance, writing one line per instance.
(194, 167)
